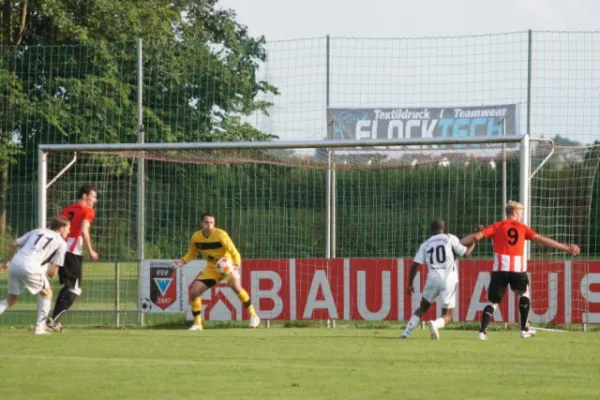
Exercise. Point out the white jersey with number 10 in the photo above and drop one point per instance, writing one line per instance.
(439, 252)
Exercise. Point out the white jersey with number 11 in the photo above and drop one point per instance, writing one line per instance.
(38, 248)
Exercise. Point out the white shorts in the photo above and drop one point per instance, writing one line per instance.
(19, 278)
(442, 291)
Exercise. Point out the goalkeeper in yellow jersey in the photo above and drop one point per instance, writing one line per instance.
(214, 243)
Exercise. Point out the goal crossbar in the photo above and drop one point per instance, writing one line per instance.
(380, 144)
(298, 144)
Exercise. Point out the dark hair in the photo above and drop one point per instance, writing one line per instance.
(438, 225)
(86, 189)
(206, 215)
(58, 222)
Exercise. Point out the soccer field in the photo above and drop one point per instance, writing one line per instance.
(297, 363)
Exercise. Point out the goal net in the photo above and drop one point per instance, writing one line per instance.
(325, 233)
(561, 188)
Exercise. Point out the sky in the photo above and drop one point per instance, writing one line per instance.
(285, 19)
(376, 62)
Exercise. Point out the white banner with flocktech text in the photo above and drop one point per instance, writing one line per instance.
(422, 122)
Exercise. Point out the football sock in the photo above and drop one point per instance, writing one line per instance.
(43, 311)
(524, 307)
(245, 299)
(412, 322)
(64, 301)
(488, 312)
(3, 305)
(439, 323)
(197, 310)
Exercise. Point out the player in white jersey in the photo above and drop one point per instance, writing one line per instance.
(438, 252)
(28, 269)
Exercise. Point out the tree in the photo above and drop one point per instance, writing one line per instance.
(13, 101)
(563, 141)
(200, 75)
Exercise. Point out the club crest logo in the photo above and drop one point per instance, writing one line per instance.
(163, 287)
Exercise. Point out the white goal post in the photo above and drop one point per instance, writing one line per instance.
(387, 189)
(44, 149)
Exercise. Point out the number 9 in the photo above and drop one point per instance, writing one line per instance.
(513, 236)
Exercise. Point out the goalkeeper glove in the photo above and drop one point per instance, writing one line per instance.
(177, 264)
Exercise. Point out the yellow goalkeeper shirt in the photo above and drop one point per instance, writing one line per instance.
(217, 245)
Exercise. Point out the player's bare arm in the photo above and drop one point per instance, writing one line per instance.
(414, 268)
(12, 248)
(571, 249)
(52, 271)
(471, 239)
(85, 233)
(470, 249)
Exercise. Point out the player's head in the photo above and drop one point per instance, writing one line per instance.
(61, 225)
(207, 222)
(514, 210)
(438, 226)
(88, 194)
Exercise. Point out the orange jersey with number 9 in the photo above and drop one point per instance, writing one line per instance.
(509, 236)
(509, 242)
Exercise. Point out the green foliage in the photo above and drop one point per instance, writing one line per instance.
(200, 73)
(68, 74)
(298, 324)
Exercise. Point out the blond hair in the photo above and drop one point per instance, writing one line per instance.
(58, 222)
(511, 206)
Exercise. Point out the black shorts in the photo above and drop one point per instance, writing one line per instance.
(208, 282)
(518, 281)
(71, 273)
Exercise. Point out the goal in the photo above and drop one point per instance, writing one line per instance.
(326, 229)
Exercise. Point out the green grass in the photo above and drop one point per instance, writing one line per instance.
(296, 363)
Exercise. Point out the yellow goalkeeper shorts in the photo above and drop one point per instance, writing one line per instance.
(210, 273)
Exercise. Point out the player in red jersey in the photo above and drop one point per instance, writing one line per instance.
(81, 215)
(509, 237)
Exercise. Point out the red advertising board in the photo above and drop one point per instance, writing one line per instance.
(375, 289)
